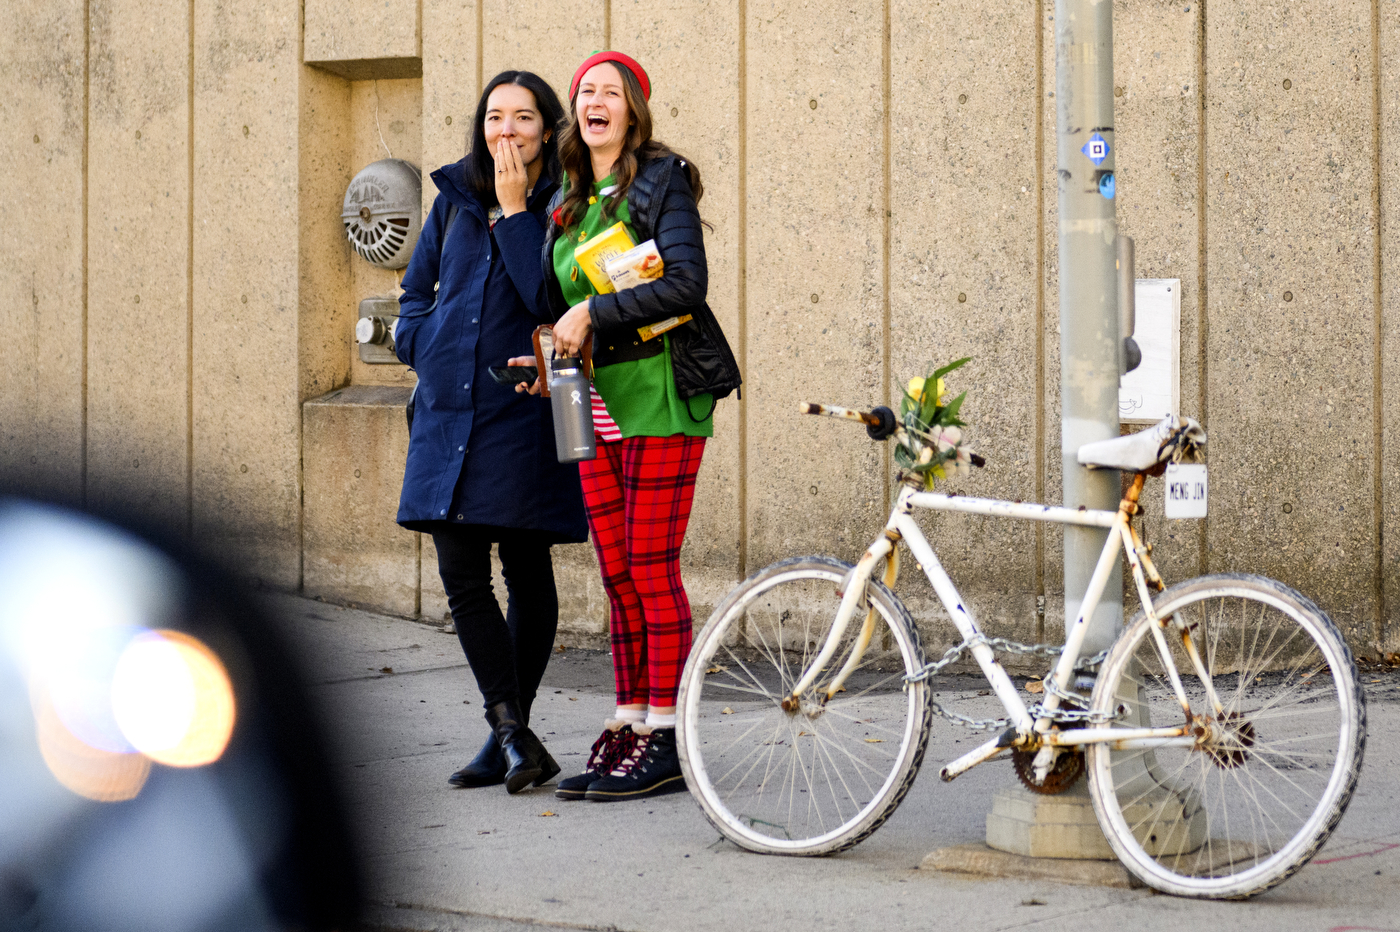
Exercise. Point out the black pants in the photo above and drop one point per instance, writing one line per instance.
(508, 655)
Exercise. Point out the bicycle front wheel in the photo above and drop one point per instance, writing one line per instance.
(821, 777)
(1258, 785)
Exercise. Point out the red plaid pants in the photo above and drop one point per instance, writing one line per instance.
(638, 492)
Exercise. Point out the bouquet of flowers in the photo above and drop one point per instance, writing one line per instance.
(936, 449)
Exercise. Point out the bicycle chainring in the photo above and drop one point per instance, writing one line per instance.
(1068, 767)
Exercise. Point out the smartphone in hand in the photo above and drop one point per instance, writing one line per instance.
(511, 375)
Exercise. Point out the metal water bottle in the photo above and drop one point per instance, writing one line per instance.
(573, 412)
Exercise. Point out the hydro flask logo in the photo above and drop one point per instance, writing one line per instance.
(576, 398)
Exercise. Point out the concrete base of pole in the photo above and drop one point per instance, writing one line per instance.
(1064, 825)
(1038, 826)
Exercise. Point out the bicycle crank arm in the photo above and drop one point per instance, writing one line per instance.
(1003, 742)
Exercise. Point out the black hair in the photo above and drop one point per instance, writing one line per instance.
(481, 162)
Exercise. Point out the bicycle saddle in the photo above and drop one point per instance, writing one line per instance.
(1163, 442)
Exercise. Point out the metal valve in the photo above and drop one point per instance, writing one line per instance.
(374, 330)
(371, 330)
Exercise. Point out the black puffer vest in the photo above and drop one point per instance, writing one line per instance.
(662, 208)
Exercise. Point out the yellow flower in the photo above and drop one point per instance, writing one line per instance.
(915, 390)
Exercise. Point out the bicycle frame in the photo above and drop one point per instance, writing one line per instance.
(1026, 731)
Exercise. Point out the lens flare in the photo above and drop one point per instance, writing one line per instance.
(78, 674)
(91, 772)
(173, 700)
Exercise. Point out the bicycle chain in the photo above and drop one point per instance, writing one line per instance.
(1060, 715)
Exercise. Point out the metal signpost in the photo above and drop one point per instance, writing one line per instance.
(1022, 822)
(1089, 338)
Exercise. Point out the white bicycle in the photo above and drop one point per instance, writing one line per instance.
(1222, 736)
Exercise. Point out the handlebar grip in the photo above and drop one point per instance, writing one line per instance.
(886, 424)
(879, 423)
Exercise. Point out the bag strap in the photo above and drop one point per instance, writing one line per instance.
(447, 227)
(452, 211)
(700, 420)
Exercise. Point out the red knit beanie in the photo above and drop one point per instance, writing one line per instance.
(624, 60)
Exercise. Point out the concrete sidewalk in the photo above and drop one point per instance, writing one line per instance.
(405, 714)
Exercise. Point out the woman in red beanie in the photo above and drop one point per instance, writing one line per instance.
(654, 396)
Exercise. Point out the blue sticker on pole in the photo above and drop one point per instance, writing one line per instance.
(1106, 186)
(1096, 149)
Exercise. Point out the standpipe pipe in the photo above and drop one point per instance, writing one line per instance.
(1090, 342)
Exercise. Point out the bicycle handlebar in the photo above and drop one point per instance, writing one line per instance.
(869, 418)
(880, 423)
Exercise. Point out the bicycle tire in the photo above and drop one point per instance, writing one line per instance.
(745, 660)
(1260, 791)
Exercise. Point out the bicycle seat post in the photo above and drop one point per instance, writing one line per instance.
(1129, 503)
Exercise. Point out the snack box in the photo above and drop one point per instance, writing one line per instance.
(636, 266)
(592, 256)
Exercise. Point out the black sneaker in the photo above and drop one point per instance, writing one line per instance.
(610, 748)
(651, 769)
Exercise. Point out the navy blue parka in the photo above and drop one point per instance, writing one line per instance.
(480, 453)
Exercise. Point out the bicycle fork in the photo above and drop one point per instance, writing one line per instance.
(852, 597)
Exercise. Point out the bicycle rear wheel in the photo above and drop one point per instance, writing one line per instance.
(822, 777)
(1267, 779)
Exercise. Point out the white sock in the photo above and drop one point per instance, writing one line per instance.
(631, 716)
(655, 720)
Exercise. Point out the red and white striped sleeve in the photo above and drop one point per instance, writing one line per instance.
(603, 424)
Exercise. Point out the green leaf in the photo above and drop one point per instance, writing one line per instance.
(939, 373)
(929, 414)
(950, 413)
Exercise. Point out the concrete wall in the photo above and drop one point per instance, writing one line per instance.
(881, 181)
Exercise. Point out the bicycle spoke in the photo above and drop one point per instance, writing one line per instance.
(757, 754)
(754, 679)
(744, 689)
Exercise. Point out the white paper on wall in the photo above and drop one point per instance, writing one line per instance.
(1153, 390)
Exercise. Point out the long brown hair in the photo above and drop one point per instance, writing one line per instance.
(637, 147)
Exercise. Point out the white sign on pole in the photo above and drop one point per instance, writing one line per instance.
(1153, 390)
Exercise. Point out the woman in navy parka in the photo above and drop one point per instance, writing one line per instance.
(481, 460)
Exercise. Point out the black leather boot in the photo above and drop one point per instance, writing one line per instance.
(488, 768)
(526, 759)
